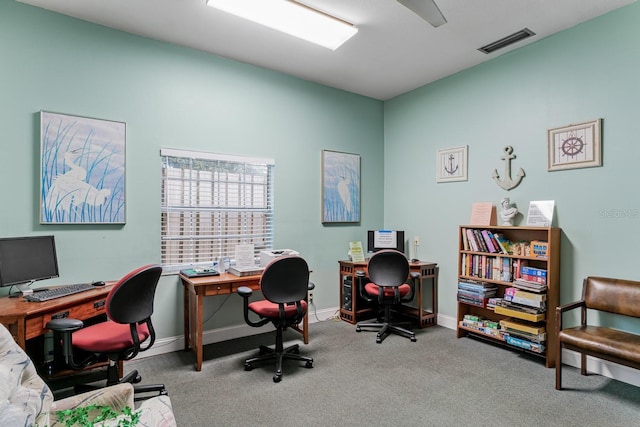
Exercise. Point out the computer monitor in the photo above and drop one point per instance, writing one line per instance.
(385, 239)
(24, 260)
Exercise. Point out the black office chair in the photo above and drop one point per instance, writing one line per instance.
(388, 286)
(284, 285)
(129, 306)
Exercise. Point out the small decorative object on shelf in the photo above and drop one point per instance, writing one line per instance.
(508, 212)
(509, 276)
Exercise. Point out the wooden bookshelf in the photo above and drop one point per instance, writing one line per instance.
(472, 265)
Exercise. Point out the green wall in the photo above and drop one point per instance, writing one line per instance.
(174, 97)
(587, 72)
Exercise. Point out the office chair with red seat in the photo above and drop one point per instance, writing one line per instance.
(126, 332)
(388, 272)
(284, 285)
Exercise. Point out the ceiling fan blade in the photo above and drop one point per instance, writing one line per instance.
(427, 10)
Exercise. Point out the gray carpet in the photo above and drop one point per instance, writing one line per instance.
(438, 381)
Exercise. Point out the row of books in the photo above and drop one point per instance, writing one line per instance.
(525, 335)
(482, 325)
(500, 268)
(476, 292)
(531, 286)
(483, 240)
(529, 336)
(477, 240)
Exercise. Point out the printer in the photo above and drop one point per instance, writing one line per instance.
(267, 256)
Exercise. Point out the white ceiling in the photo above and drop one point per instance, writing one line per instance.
(394, 51)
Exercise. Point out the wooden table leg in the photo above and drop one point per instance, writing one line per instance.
(198, 335)
(187, 329)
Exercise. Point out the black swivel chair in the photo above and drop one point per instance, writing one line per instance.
(284, 285)
(127, 331)
(388, 286)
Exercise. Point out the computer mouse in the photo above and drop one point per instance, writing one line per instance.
(98, 283)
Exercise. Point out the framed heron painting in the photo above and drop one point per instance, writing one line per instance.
(340, 187)
(82, 170)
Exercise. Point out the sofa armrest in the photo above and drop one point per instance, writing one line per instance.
(117, 397)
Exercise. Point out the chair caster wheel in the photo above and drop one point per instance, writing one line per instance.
(413, 339)
(277, 377)
(358, 329)
(378, 340)
(248, 367)
(137, 379)
(309, 364)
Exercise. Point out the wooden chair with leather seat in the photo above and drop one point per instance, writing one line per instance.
(389, 285)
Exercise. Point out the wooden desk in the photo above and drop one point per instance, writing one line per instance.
(197, 288)
(26, 320)
(353, 308)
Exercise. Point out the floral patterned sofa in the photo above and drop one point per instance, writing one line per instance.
(25, 399)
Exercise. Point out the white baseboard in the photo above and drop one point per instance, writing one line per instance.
(171, 344)
(570, 358)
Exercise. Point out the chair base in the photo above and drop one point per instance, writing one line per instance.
(132, 377)
(267, 354)
(385, 329)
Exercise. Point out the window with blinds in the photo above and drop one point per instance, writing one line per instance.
(210, 204)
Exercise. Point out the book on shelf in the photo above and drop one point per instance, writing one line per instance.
(536, 279)
(529, 286)
(465, 239)
(473, 245)
(503, 242)
(488, 242)
(525, 344)
(529, 295)
(532, 271)
(479, 302)
(509, 311)
(493, 302)
(540, 338)
(541, 305)
(522, 326)
(477, 294)
(539, 249)
(480, 241)
(537, 306)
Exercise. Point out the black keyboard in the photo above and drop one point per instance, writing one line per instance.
(59, 292)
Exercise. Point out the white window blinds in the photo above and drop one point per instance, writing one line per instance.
(211, 203)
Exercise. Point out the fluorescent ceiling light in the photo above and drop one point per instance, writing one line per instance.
(292, 18)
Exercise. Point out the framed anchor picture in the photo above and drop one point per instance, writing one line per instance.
(82, 173)
(451, 164)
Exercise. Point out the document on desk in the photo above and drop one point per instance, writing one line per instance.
(245, 262)
(245, 256)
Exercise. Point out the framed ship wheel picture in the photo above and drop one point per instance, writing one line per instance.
(575, 146)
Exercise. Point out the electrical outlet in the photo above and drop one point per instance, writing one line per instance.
(310, 297)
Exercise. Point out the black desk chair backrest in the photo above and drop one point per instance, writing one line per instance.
(284, 285)
(285, 280)
(127, 331)
(389, 284)
(388, 268)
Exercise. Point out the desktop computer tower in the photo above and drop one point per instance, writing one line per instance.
(347, 292)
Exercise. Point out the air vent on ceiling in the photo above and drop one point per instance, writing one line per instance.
(506, 41)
